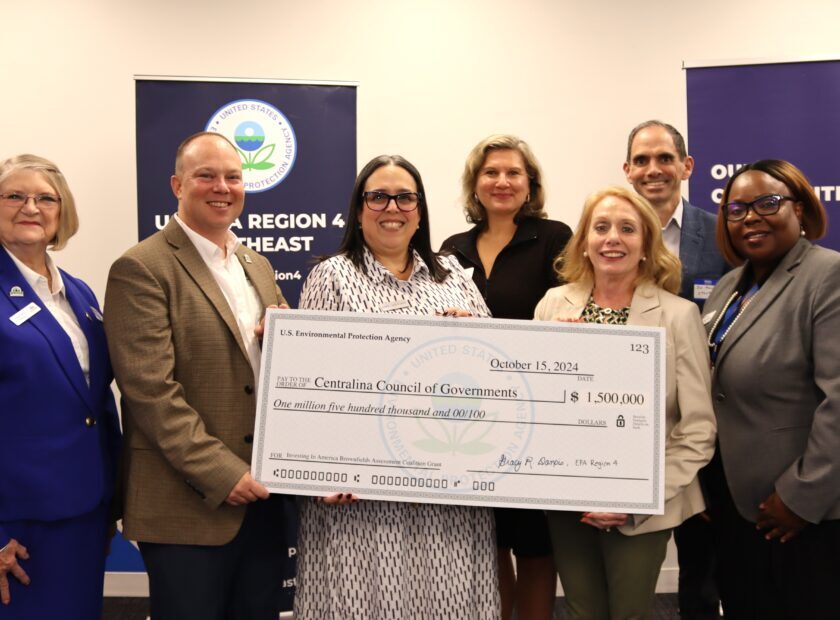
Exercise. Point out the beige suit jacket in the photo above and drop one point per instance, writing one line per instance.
(188, 394)
(690, 420)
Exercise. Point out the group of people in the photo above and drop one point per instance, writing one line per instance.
(752, 449)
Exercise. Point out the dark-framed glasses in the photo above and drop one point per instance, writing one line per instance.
(18, 199)
(763, 205)
(378, 201)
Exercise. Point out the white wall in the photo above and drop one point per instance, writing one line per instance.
(571, 77)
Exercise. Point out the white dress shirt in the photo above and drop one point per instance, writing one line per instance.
(671, 230)
(236, 287)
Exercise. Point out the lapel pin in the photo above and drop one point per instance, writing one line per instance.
(247, 258)
(16, 292)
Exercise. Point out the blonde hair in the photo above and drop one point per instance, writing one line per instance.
(474, 210)
(68, 220)
(660, 266)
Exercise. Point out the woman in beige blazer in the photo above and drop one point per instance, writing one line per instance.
(620, 272)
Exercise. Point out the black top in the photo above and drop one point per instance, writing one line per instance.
(523, 270)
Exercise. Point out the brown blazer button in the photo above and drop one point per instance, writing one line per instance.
(720, 397)
(90, 421)
(249, 389)
(249, 438)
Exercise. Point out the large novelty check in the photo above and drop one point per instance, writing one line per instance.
(560, 416)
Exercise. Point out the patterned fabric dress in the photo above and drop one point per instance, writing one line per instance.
(593, 313)
(393, 560)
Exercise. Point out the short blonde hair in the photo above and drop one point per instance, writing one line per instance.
(68, 219)
(660, 266)
(474, 210)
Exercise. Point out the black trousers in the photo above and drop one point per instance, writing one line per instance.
(241, 580)
(698, 595)
(769, 580)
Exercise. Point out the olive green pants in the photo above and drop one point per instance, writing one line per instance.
(605, 575)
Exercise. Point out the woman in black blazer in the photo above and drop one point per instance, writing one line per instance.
(511, 251)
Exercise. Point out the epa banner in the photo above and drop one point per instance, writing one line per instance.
(739, 114)
(297, 143)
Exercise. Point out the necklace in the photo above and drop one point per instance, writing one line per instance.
(714, 341)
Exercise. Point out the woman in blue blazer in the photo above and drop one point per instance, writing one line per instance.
(58, 420)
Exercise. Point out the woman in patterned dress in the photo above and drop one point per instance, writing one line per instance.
(619, 272)
(382, 559)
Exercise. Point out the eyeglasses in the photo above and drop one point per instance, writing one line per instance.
(17, 199)
(379, 201)
(763, 205)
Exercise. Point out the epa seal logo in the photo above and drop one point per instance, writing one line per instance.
(264, 138)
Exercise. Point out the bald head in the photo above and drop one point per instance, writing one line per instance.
(200, 135)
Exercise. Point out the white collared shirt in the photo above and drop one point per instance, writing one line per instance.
(671, 230)
(55, 301)
(240, 294)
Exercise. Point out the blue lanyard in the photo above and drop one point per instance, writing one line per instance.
(729, 317)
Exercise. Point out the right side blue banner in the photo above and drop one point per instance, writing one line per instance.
(790, 111)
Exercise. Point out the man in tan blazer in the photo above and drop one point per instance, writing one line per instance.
(181, 310)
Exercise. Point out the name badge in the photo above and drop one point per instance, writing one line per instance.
(21, 316)
(394, 305)
(703, 288)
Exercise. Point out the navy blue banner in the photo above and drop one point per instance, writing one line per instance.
(297, 143)
(298, 148)
(789, 111)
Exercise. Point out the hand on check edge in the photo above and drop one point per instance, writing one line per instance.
(339, 498)
(247, 490)
(259, 330)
